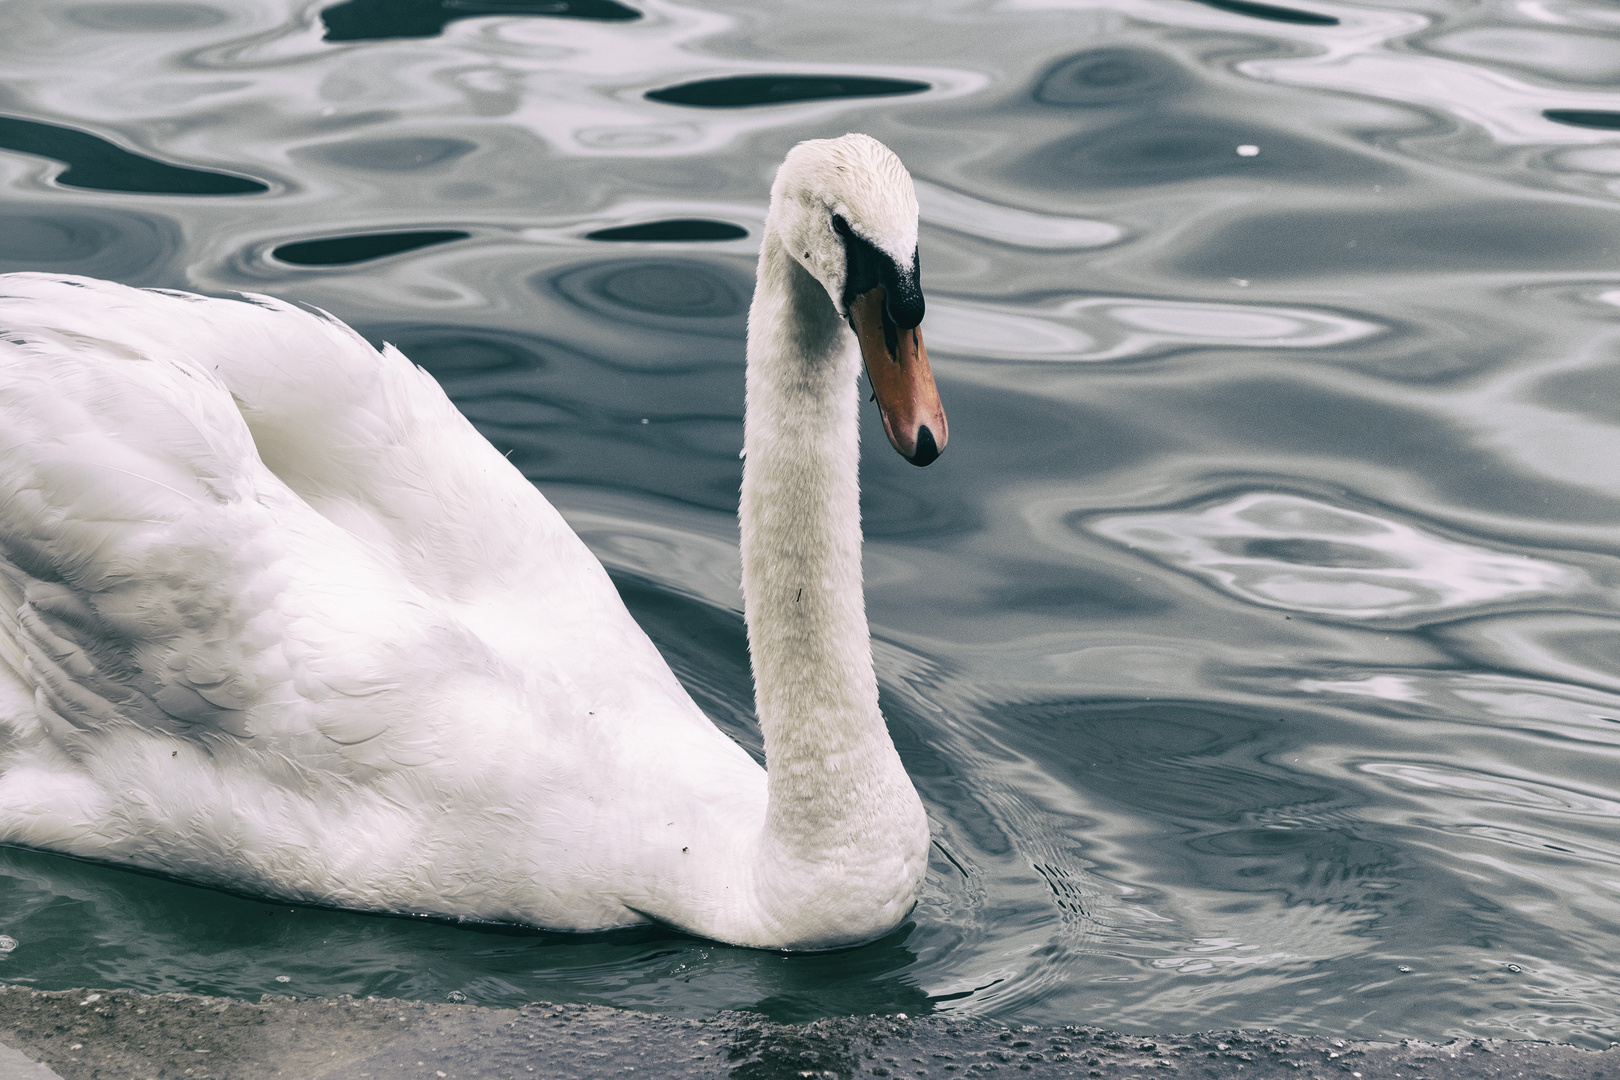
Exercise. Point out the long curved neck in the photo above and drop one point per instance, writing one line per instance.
(837, 790)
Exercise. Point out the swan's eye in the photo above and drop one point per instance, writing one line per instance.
(866, 268)
(864, 265)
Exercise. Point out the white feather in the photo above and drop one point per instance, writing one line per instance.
(273, 616)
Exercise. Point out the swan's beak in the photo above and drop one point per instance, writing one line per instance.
(902, 381)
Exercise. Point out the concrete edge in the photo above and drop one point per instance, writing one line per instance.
(93, 1035)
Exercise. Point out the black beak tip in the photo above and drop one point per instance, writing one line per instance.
(926, 451)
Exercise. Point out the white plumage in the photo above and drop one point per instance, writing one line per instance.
(273, 616)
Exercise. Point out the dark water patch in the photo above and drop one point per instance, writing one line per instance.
(566, 415)
(1311, 864)
(377, 20)
(1281, 418)
(1477, 237)
(391, 155)
(678, 229)
(347, 250)
(109, 244)
(1272, 12)
(1587, 118)
(679, 295)
(1075, 592)
(454, 352)
(1158, 149)
(1111, 76)
(873, 979)
(741, 91)
(1592, 391)
(513, 410)
(145, 18)
(908, 504)
(97, 165)
(1077, 439)
(1302, 552)
(156, 935)
(1188, 762)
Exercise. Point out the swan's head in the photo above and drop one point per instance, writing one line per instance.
(846, 211)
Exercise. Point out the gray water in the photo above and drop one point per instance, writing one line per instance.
(1255, 645)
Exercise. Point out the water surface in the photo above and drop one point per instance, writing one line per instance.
(1255, 646)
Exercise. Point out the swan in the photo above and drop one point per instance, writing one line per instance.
(275, 618)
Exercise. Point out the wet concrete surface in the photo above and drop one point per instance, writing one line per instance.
(90, 1035)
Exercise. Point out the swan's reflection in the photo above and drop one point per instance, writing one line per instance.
(1303, 555)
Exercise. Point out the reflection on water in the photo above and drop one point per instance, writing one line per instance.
(1255, 648)
(741, 91)
(1273, 12)
(100, 166)
(342, 250)
(679, 229)
(1590, 118)
(1304, 555)
(375, 20)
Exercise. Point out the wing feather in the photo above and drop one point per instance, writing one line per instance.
(158, 577)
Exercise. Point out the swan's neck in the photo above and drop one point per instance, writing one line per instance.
(838, 795)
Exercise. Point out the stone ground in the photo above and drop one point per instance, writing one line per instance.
(118, 1035)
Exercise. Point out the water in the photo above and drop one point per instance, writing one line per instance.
(1255, 646)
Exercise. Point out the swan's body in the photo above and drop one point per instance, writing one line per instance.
(274, 617)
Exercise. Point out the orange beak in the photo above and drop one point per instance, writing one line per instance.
(902, 382)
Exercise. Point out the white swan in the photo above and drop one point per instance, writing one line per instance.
(274, 617)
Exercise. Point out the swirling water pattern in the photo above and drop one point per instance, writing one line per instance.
(1255, 647)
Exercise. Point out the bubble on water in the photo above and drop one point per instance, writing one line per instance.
(283, 978)
(7, 943)
(455, 996)
(1248, 150)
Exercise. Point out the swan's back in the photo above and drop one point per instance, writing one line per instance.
(267, 599)
(360, 434)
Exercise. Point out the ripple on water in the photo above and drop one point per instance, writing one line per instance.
(669, 295)
(145, 18)
(1296, 553)
(744, 91)
(678, 230)
(364, 247)
(94, 163)
(418, 154)
(1112, 76)
(377, 20)
(115, 244)
(1181, 148)
(1215, 728)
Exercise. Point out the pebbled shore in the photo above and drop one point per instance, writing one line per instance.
(120, 1035)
